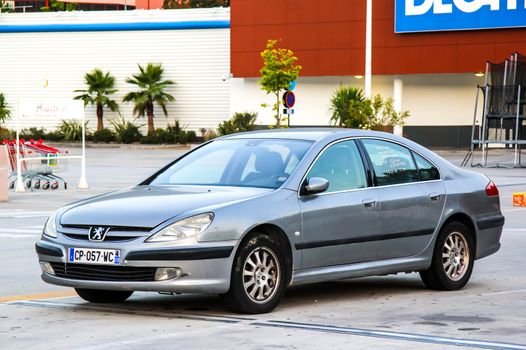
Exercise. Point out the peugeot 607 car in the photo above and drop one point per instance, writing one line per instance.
(249, 214)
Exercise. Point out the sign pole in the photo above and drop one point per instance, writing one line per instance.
(19, 182)
(83, 183)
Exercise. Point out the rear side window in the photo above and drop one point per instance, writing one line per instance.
(426, 170)
(392, 163)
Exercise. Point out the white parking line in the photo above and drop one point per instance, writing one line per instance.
(19, 230)
(514, 209)
(20, 213)
(18, 235)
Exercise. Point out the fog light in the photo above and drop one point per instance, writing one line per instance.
(167, 273)
(46, 267)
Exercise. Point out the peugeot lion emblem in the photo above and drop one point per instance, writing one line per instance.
(97, 234)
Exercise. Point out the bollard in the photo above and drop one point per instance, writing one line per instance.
(4, 174)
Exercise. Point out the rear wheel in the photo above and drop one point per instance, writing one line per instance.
(453, 259)
(258, 276)
(103, 296)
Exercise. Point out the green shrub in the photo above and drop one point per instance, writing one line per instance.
(6, 134)
(54, 136)
(33, 133)
(172, 134)
(238, 123)
(166, 136)
(186, 136)
(126, 131)
(150, 139)
(71, 129)
(350, 108)
(104, 135)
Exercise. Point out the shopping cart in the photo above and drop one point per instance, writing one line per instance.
(35, 172)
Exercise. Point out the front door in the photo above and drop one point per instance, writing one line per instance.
(340, 224)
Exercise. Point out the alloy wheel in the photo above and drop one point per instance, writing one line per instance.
(455, 256)
(261, 275)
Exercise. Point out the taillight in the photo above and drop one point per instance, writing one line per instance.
(492, 190)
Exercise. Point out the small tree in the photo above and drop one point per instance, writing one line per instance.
(278, 71)
(5, 112)
(384, 113)
(151, 92)
(100, 85)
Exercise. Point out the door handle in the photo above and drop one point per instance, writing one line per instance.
(369, 203)
(434, 196)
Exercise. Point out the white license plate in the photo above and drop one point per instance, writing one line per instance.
(94, 256)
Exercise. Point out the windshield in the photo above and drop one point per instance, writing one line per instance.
(263, 163)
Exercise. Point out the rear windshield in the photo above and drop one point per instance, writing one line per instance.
(265, 163)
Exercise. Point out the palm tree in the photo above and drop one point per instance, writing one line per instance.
(151, 84)
(5, 112)
(100, 85)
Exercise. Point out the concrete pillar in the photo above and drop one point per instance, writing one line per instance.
(4, 173)
(398, 89)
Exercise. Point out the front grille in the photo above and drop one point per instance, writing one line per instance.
(108, 238)
(103, 273)
(115, 233)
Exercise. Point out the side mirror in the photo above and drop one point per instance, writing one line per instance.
(314, 185)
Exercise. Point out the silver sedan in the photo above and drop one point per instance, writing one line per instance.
(249, 214)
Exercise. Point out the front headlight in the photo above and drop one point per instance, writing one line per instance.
(183, 229)
(50, 229)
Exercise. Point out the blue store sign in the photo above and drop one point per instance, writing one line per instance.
(440, 15)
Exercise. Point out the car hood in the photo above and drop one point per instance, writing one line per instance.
(149, 206)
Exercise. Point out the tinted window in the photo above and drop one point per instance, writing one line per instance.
(392, 163)
(342, 165)
(243, 162)
(426, 170)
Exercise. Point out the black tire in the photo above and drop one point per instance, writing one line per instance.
(237, 298)
(441, 275)
(46, 185)
(103, 296)
(36, 185)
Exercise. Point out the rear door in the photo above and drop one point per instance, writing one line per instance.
(339, 224)
(411, 197)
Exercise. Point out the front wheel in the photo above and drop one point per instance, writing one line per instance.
(258, 276)
(453, 259)
(103, 296)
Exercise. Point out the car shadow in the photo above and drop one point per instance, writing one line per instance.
(344, 291)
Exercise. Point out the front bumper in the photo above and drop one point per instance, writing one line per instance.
(206, 267)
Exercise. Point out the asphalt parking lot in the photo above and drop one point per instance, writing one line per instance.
(387, 312)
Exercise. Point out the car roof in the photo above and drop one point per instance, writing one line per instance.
(310, 134)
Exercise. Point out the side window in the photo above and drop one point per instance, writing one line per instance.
(426, 170)
(342, 166)
(392, 163)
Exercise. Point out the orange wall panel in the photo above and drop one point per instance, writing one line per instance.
(329, 39)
